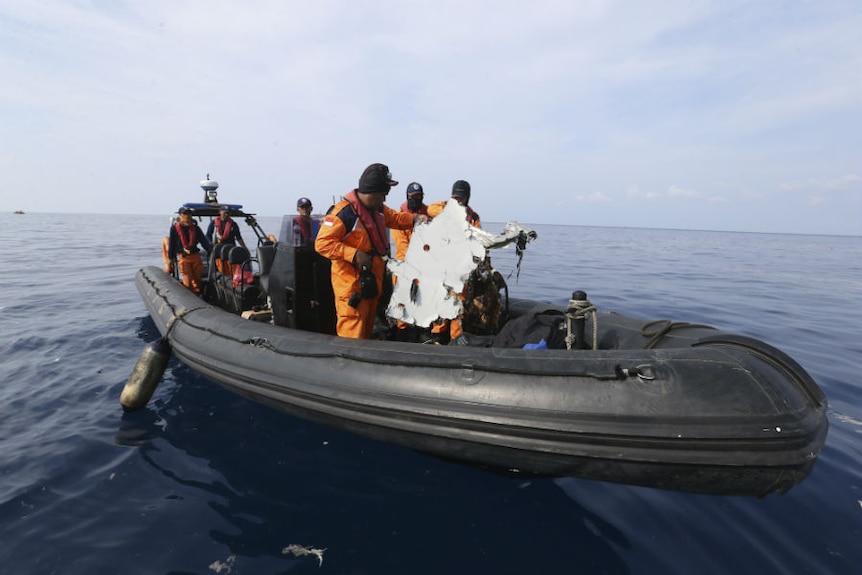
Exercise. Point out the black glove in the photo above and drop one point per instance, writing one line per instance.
(362, 260)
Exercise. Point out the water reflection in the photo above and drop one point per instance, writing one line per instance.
(274, 481)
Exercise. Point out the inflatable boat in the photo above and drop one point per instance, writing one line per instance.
(548, 390)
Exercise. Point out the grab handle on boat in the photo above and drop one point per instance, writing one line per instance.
(644, 372)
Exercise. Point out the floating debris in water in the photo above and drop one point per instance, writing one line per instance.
(300, 550)
(225, 567)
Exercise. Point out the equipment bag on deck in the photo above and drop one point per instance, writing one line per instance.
(539, 323)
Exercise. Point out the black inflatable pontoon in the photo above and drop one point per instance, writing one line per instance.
(671, 406)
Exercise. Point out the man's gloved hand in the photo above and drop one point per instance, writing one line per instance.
(362, 259)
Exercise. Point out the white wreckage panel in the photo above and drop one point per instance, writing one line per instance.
(439, 259)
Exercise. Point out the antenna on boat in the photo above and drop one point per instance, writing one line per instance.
(209, 187)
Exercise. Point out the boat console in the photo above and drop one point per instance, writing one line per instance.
(297, 280)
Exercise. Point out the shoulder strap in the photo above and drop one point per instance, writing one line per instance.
(348, 216)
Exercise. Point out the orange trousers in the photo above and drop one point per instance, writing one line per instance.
(165, 257)
(356, 322)
(453, 326)
(192, 269)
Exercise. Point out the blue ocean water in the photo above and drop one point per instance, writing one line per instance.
(203, 481)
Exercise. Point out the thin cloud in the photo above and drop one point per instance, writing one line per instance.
(816, 200)
(699, 100)
(594, 197)
(636, 193)
(675, 191)
(841, 183)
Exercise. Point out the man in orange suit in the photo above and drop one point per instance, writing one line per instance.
(353, 235)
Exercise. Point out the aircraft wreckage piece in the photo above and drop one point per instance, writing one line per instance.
(439, 259)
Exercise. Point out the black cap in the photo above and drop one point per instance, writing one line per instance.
(461, 189)
(414, 188)
(376, 179)
(224, 208)
(302, 202)
(184, 210)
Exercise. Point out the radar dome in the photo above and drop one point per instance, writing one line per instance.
(209, 184)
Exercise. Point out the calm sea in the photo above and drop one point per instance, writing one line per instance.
(202, 481)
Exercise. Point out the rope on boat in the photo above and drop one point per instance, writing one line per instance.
(175, 315)
(259, 342)
(658, 329)
(580, 309)
(178, 316)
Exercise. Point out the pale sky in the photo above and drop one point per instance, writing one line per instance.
(693, 114)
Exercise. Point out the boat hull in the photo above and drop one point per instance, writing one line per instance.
(710, 413)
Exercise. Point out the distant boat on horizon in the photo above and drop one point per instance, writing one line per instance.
(18, 211)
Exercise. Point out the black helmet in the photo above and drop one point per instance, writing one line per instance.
(376, 179)
(461, 189)
(414, 188)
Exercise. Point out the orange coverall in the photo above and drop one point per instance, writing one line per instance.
(339, 244)
(189, 258)
(402, 237)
